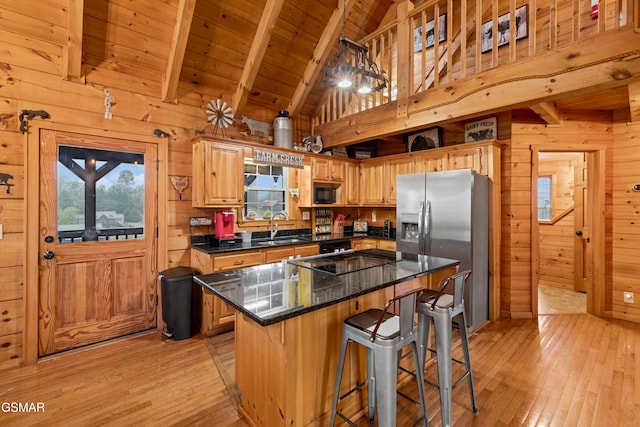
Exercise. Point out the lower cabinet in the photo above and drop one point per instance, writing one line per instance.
(217, 316)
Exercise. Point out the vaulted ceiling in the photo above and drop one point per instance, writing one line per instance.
(261, 56)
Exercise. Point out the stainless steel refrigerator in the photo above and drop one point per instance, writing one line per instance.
(446, 214)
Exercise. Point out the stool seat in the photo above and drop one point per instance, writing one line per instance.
(384, 335)
(446, 308)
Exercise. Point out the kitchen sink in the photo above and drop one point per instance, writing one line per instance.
(277, 242)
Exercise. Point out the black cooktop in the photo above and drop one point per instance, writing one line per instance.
(343, 263)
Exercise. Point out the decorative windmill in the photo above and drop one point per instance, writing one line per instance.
(220, 115)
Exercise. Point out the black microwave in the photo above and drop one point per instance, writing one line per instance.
(323, 195)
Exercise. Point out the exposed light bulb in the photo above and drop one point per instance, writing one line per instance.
(365, 87)
(344, 82)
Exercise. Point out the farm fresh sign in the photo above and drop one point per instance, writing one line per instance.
(278, 158)
(481, 130)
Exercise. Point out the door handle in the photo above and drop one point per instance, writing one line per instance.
(48, 255)
(578, 233)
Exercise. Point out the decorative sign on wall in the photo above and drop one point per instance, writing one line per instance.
(482, 130)
(273, 157)
(180, 183)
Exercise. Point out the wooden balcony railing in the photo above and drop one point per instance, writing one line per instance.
(474, 36)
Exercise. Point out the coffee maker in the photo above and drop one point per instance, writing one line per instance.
(224, 225)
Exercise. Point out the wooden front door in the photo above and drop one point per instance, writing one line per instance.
(98, 216)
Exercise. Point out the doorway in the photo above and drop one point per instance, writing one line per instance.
(567, 229)
(97, 239)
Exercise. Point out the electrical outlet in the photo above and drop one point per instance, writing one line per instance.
(628, 297)
(306, 216)
(0, 231)
(373, 217)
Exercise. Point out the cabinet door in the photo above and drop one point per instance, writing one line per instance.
(218, 176)
(392, 169)
(307, 250)
(371, 183)
(387, 245)
(351, 184)
(470, 158)
(237, 260)
(431, 162)
(278, 254)
(216, 314)
(327, 169)
(359, 244)
(336, 168)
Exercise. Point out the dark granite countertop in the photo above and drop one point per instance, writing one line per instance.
(271, 293)
(284, 238)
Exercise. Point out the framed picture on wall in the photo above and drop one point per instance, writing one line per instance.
(504, 33)
(430, 33)
(424, 140)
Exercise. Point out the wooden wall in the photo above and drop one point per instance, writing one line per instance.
(528, 129)
(556, 253)
(625, 209)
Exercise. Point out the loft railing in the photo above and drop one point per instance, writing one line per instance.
(474, 36)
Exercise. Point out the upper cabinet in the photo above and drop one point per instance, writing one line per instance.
(327, 169)
(351, 185)
(378, 179)
(218, 178)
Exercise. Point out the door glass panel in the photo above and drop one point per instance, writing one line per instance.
(100, 195)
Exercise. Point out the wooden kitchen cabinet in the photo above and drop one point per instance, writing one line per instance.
(218, 317)
(278, 254)
(351, 184)
(217, 174)
(364, 243)
(378, 179)
(327, 169)
(387, 245)
(307, 250)
(371, 182)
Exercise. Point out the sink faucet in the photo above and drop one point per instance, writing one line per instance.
(274, 232)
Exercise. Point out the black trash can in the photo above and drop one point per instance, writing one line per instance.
(177, 300)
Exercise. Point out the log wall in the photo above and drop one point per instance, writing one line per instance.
(626, 218)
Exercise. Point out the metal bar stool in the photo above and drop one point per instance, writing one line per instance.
(446, 307)
(384, 335)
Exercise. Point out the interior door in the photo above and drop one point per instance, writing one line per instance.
(98, 216)
(582, 238)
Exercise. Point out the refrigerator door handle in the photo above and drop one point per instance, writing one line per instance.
(420, 225)
(426, 237)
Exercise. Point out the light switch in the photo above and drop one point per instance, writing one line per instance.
(306, 216)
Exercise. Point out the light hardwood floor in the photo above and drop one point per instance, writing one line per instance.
(564, 370)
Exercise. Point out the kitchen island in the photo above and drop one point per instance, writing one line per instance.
(289, 324)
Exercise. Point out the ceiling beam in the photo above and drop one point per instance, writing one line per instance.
(634, 100)
(179, 40)
(321, 53)
(73, 49)
(256, 54)
(548, 112)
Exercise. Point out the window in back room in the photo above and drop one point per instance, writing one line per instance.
(544, 198)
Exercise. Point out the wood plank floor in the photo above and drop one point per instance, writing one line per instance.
(143, 380)
(557, 370)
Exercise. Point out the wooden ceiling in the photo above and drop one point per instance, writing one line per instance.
(257, 55)
(260, 56)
